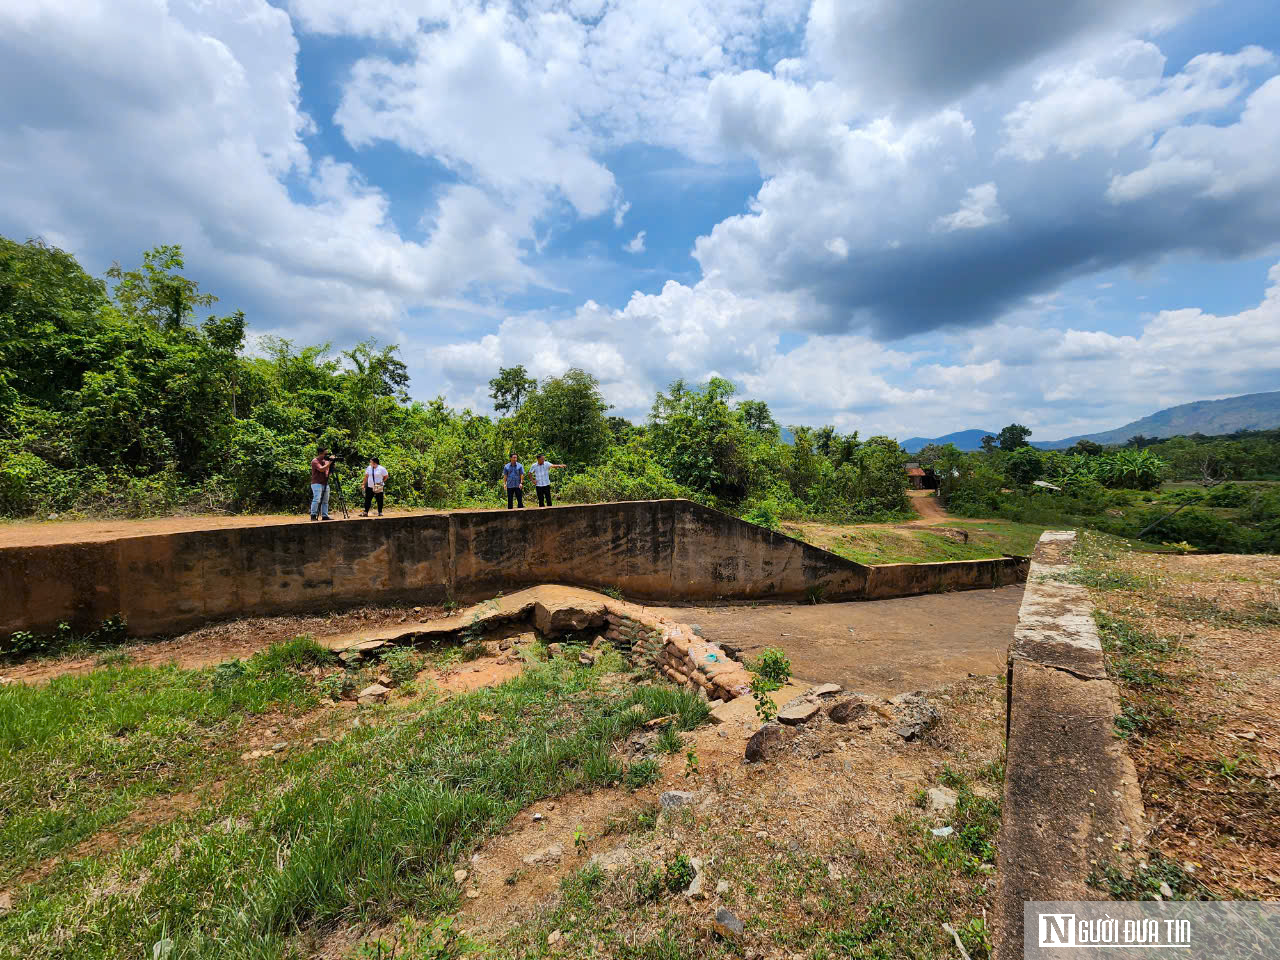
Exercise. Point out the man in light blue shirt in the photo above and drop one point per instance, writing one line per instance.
(513, 477)
(542, 479)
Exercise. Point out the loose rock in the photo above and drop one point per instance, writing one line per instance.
(586, 659)
(941, 800)
(727, 924)
(768, 742)
(914, 714)
(825, 690)
(460, 875)
(554, 649)
(671, 799)
(722, 888)
(798, 711)
(374, 693)
(694, 891)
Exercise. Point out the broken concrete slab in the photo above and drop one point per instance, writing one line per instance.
(798, 711)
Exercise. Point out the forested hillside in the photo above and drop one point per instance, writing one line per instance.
(131, 394)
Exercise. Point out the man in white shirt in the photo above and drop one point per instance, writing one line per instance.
(373, 484)
(542, 479)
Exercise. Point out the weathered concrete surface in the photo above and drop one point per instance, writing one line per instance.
(669, 550)
(1071, 793)
(675, 651)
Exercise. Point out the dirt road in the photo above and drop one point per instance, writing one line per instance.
(32, 534)
(882, 646)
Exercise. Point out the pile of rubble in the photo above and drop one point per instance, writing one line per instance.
(677, 652)
(908, 715)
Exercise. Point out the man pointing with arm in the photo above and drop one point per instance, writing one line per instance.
(542, 479)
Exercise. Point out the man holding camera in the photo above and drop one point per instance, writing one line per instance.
(320, 468)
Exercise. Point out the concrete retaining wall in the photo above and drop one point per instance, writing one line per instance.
(1071, 799)
(666, 550)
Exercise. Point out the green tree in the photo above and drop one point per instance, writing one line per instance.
(755, 414)
(1014, 436)
(699, 440)
(510, 388)
(988, 444)
(156, 292)
(565, 419)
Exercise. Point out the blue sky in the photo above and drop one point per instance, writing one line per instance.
(897, 216)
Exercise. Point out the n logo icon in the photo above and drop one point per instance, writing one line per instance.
(1057, 929)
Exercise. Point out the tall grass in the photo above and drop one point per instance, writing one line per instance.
(77, 753)
(354, 829)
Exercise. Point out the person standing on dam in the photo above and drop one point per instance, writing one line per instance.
(513, 477)
(373, 484)
(542, 479)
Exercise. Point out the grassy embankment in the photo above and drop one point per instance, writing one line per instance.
(253, 859)
(1191, 642)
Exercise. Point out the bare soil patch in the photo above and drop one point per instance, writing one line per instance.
(880, 646)
(839, 793)
(1207, 743)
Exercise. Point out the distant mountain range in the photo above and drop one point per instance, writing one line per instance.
(1253, 411)
(963, 439)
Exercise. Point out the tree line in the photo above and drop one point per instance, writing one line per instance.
(126, 394)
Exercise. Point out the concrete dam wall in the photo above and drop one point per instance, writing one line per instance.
(657, 550)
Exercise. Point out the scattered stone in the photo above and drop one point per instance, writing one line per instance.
(374, 693)
(727, 924)
(714, 703)
(473, 893)
(554, 649)
(722, 888)
(386, 680)
(843, 711)
(914, 715)
(942, 831)
(537, 818)
(350, 656)
(1166, 891)
(554, 937)
(6, 902)
(696, 628)
(798, 711)
(460, 875)
(551, 854)
(504, 643)
(941, 800)
(280, 747)
(825, 690)
(586, 659)
(672, 799)
(768, 742)
(694, 891)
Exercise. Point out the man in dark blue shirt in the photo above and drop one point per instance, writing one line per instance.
(513, 476)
